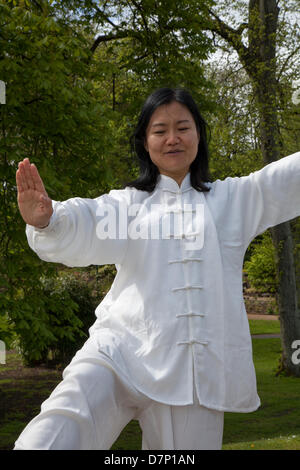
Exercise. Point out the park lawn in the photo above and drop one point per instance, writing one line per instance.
(275, 425)
(263, 327)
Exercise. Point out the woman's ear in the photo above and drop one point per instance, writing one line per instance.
(145, 144)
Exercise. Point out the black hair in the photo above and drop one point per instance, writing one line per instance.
(149, 172)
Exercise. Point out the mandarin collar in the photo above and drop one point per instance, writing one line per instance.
(165, 182)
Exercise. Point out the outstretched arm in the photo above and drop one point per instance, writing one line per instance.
(247, 206)
(71, 235)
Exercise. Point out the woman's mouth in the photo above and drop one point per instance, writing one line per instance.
(174, 152)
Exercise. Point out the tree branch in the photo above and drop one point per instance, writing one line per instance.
(138, 7)
(231, 35)
(101, 14)
(108, 37)
(294, 52)
(234, 38)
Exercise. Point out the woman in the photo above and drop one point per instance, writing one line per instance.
(171, 345)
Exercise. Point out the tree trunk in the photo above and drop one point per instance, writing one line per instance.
(259, 60)
(287, 297)
(263, 18)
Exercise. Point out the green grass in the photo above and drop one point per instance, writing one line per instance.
(262, 327)
(278, 419)
(275, 425)
(291, 442)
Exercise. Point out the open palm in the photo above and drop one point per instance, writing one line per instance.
(34, 204)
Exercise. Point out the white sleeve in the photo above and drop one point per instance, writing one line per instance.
(261, 200)
(83, 231)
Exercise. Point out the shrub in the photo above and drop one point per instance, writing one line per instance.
(68, 312)
(261, 268)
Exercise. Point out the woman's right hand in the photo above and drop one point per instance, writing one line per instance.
(34, 203)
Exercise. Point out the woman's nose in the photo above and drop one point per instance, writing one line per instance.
(172, 138)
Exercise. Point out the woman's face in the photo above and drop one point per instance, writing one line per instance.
(172, 140)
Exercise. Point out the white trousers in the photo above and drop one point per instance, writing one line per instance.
(91, 406)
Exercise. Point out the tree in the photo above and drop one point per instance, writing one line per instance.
(259, 59)
(76, 73)
(54, 115)
(234, 141)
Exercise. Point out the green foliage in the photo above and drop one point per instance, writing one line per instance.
(55, 116)
(261, 267)
(233, 142)
(60, 327)
(7, 331)
(71, 108)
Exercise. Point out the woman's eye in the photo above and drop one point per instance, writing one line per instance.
(162, 132)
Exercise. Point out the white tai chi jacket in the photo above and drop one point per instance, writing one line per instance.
(175, 316)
